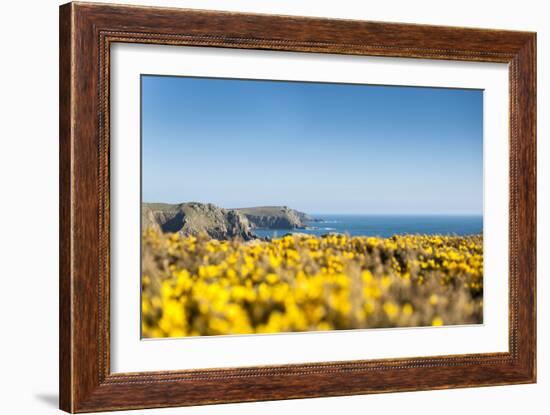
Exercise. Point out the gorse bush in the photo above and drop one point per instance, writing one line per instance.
(195, 286)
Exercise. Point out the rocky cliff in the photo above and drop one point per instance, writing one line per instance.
(275, 217)
(195, 218)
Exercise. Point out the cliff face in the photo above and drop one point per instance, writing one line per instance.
(195, 218)
(275, 217)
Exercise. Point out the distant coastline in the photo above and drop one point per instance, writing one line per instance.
(266, 222)
(193, 218)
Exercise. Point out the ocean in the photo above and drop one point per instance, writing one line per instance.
(385, 225)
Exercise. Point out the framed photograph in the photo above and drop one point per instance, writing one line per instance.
(259, 207)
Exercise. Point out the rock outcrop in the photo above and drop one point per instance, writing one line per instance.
(196, 218)
(275, 217)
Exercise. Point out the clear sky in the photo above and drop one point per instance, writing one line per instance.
(315, 147)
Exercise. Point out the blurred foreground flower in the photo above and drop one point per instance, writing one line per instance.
(196, 286)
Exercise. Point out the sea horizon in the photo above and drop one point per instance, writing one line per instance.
(313, 213)
(384, 225)
(384, 214)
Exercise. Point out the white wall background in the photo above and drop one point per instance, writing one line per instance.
(29, 205)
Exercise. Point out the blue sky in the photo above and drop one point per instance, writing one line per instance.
(316, 147)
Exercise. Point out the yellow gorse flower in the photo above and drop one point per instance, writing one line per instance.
(193, 285)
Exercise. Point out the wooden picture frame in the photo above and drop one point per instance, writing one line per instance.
(86, 33)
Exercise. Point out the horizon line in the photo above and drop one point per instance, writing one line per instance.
(333, 213)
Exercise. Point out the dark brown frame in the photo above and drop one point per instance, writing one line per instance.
(86, 33)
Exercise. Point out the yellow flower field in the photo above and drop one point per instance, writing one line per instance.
(196, 286)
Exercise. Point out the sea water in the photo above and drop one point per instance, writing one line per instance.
(385, 225)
